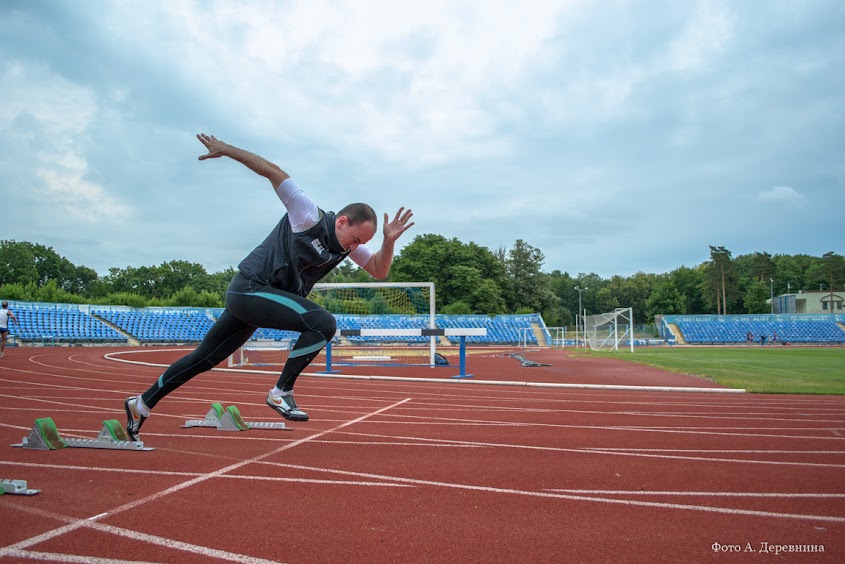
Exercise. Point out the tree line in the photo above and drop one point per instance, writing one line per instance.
(469, 279)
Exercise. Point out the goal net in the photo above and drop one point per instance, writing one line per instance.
(395, 307)
(606, 331)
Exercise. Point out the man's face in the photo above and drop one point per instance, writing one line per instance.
(350, 236)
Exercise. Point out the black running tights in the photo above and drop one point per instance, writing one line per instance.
(250, 305)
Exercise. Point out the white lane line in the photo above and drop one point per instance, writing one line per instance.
(630, 428)
(32, 541)
(615, 453)
(113, 357)
(572, 497)
(195, 474)
(704, 494)
(74, 523)
(95, 517)
(57, 557)
(714, 451)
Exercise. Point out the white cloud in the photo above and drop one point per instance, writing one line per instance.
(51, 115)
(781, 194)
(703, 38)
(543, 120)
(421, 82)
(67, 190)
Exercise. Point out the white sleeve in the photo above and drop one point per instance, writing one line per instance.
(303, 213)
(361, 255)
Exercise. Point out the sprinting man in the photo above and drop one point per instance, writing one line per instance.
(273, 281)
(5, 315)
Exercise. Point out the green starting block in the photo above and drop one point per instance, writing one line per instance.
(229, 419)
(45, 436)
(16, 487)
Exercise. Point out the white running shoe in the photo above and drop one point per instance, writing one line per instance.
(286, 406)
(134, 420)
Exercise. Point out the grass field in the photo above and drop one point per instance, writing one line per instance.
(772, 370)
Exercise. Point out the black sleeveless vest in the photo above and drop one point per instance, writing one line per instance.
(294, 262)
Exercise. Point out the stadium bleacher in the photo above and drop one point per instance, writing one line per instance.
(62, 326)
(736, 332)
(160, 327)
(69, 324)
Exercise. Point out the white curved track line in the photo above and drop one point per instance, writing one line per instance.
(113, 357)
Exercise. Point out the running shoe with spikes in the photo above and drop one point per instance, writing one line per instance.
(134, 420)
(286, 406)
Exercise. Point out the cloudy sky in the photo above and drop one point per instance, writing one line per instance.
(614, 136)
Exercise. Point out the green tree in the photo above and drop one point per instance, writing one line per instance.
(755, 297)
(51, 293)
(688, 283)
(664, 299)
(457, 308)
(171, 277)
(132, 280)
(607, 298)
(635, 293)
(431, 258)
(189, 297)
(788, 275)
(723, 275)
(829, 273)
(530, 288)
(17, 263)
(563, 286)
(19, 292)
(467, 285)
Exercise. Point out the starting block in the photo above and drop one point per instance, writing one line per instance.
(16, 487)
(229, 419)
(45, 436)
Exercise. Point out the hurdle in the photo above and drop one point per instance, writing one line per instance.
(45, 436)
(230, 419)
(461, 332)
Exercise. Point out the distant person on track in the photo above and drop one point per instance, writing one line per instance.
(273, 281)
(5, 315)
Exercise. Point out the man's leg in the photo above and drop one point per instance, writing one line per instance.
(224, 338)
(265, 306)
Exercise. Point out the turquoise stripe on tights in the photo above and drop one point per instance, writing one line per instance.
(287, 302)
(307, 350)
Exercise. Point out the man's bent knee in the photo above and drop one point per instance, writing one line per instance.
(325, 323)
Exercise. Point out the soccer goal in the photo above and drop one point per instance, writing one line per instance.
(606, 331)
(399, 311)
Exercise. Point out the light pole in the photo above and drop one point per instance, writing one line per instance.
(772, 293)
(578, 318)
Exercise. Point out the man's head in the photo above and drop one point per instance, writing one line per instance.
(4, 305)
(355, 225)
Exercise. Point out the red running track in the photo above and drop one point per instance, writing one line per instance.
(398, 471)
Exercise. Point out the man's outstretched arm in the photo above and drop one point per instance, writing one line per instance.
(259, 165)
(379, 265)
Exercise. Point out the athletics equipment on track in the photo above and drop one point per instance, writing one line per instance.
(16, 487)
(461, 332)
(45, 436)
(230, 419)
